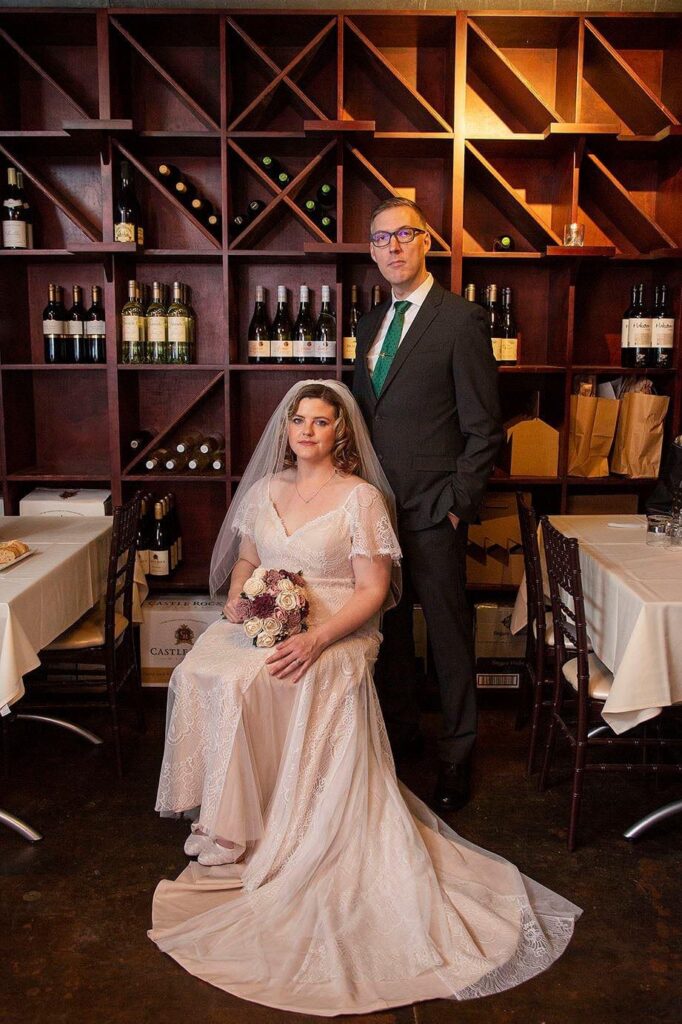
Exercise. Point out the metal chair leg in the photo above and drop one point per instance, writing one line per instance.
(19, 826)
(85, 734)
(645, 823)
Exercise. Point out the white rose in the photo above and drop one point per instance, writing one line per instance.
(285, 585)
(254, 586)
(265, 640)
(260, 573)
(286, 601)
(253, 626)
(271, 626)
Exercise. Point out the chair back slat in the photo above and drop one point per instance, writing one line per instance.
(121, 572)
(562, 555)
(535, 598)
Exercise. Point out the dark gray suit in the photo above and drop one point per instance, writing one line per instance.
(436, 428)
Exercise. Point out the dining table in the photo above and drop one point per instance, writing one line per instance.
(633, 608)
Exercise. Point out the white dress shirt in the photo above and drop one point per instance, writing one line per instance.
(416, 298)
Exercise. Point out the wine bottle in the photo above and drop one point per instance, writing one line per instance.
(75, 329)
(283, 179)
(470, 293)
(214, 223)
(281, 349)
(177, 461)
(14, 234)
(178, 328)
(311, 208)
(304, 329)
(503, 243)
(157, 326)
(328, 224)
(53, 326)
(326, 194)
(169, 174)
(255, 207)
(376, 296)
(28, 212)
(259, 330)
(140, 440)
(212, 443)
(199, 207)
(143, 537)
(127, 217)
(199, 461)
(174, 521)
(495, 322)
(639, 331)
(159, 547)
(185, 191)
(157, 458)
(627, 357)
(218, 463)
(189, 440)
(350, 339)
(324, 348)
(662, 331)
(239, 222)
(192, 323)
(133, 328)
(95, 328)
(509, 344)
(271, 166)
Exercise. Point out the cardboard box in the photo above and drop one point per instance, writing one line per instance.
(494, 551)
(170, 627)
(60, 501)
(531, 448)
(601, 504)
(493, 637)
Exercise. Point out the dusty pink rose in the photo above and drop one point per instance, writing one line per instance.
(280, 615)
(242, 609)
(293, 619)
(272, 576)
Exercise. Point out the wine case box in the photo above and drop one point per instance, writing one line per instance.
(493, 636)
(55, 501)
(531, 448)
(171, 625)
(494, 552)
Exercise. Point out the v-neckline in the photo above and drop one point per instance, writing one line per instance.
(316, 519)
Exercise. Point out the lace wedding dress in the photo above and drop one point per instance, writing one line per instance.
(352, 895)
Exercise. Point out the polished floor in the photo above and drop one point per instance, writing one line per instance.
(74, 908)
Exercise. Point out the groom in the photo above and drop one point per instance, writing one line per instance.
(426, 382)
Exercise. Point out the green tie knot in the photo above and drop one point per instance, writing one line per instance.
(402, 306)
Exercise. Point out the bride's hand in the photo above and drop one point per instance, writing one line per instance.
(294, 656)
(232, 610)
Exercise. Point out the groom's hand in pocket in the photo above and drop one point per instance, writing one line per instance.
(293, 657)
(453, 519)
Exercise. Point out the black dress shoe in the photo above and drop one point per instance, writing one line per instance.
(452, 788)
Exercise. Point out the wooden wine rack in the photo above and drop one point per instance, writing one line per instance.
(503, 123)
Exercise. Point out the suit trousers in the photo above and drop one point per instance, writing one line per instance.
(434, 575)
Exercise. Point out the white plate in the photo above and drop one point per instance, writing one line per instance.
(10, 565)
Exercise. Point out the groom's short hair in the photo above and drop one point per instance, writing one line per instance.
(394, 201)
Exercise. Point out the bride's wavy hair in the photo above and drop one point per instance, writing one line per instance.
(345, 455)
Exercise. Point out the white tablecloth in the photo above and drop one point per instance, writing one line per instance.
(633, 607)
(47, 592)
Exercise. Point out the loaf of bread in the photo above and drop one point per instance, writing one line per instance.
(11, 550)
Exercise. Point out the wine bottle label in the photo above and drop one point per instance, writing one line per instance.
(140, 235)
(349, 347)
(281, 349)
(159, 563)
(95, 327)
(625, 333)
(178, 329)
(75, 327)
(508, 348)
(53, 327)
(143, 561)
(14, 234)
(324, 348)
(131, 328)
(662, 331)
(497, 348)
(303, 349)
(640, 332)
(124, 232)
(157, 329)
(259, 348)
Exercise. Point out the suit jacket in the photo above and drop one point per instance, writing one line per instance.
(436, 426)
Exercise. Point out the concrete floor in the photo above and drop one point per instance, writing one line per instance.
(75, 907)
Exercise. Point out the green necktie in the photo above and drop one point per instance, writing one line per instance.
(390, 346)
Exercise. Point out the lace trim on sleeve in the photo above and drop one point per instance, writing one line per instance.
(245, 516)
(371, 531)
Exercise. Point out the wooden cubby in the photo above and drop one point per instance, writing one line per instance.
(502, 122)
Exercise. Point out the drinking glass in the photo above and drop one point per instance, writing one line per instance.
(574, 234)
(657, 527)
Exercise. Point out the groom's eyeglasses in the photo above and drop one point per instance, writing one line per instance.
(405, 235)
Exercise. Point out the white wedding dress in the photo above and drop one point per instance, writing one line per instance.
(352, 895)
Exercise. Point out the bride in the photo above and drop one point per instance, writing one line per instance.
(322, 884)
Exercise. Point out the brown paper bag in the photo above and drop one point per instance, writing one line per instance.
(591, 429)
(639, 436)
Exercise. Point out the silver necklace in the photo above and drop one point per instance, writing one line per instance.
(306, 501)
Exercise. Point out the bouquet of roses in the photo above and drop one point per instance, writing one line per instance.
(274, 605)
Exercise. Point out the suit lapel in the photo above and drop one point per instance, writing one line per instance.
(421, 323)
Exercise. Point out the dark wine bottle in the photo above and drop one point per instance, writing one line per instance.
(143, 537)
(14, 234)
(185, 191)
(328, 224)
(311, 208)
(159, 546)
(169, 175)
(662, 331)
(53, 326)
(281, 350)
(95, 329)
(75, 329)
(509, 346)
(326, 195)
(304, 330)
(271, 166)
(239, 222)
(627, 358)
(495, 322)
(259, 330)
(127, 217)
(350, 339)
(255, 207)
(214, 223)
(503, 243)
(139, 441)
